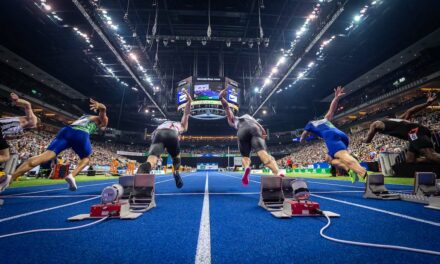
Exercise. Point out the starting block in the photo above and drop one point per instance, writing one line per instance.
(285, 198)
(426, 190)
(129, 199)
(375, 189)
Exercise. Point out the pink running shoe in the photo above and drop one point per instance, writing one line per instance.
(245, 178)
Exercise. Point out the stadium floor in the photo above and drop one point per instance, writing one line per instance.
(233, 230)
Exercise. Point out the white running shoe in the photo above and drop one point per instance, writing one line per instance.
(5, 184)
(71, 182)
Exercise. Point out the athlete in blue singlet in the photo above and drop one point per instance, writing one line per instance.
(336, 140)
(75, 136)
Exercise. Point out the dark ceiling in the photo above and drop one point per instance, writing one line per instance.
(27, 31)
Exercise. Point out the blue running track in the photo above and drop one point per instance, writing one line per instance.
(234, 229)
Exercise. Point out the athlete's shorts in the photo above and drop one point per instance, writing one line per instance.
(336, 142)
(3, 143)
(69, 137)
(165, 138)
(420, 138)
(250, 137)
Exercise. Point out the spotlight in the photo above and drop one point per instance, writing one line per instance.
(153, 111)
(165, 42)
(274, 70)
(228, 43)
(311, 64)
(267, 81)
(47, 7)
(357, 18)
(188, 42)
(300, 75)
(204, 42)
(133, 56)
(251, 44)
(147, 110)
(281, 60)
(264, 112)
(256, 89)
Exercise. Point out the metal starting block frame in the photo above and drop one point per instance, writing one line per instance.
(375, 188)
(138, 197)
(426, 190)
(276, 195)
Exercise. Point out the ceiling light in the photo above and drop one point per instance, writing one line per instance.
(251, 44)
(267, 81)
(281, 60)
(264, 112)
(147, 111)
(188, 42)
(357, 18)
(228, 43)
(47, 7)
(204, 42)
(274, 70)
(133, 56)
(165, 42)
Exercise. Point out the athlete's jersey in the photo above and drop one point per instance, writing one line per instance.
(401, 128)
(244, 120)
(85, 124)
(322, 128)
(11, 127)
(177, 126)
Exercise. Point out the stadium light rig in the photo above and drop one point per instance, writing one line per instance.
(357, 19)
(289, 52)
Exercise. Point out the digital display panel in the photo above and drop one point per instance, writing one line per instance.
(207, 88)
(184, 85)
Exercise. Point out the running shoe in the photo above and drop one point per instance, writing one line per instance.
(5, 183)
(71, 182)
(245, 178)
(178, 179)
(353, 176)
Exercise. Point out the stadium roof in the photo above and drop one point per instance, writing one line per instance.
(59, 40)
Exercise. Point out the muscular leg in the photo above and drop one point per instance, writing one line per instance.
(431, 155)
(246, 162)
(410, 157)
(337, 163)
(81, 164)
(350, 162)
(4, 155)
(33, 162)
(269, 161)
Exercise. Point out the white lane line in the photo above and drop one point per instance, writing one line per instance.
(203, 255)
(380, 210)
(334, 184)
(60, 206)
(237, 177)
(58, 189)
(45, 210)
(202, 193)
(52, 196)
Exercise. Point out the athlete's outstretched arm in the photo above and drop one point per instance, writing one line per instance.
(339, 92)
(97, 106)
(30, 116)
(407, 115)
(186, 112)
(225, 105)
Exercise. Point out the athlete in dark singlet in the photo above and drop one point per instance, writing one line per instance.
(75, 136)
(167, 136)
(421, 148)
(251, 135)
(15, 127)
(336, 141)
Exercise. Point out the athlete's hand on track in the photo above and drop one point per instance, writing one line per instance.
(222, 93)
(95, 105)
(339, 92)
(431, 98)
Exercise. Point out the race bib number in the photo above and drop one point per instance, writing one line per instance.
(413, 134)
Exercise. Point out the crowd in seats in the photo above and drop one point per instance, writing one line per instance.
(315, 150)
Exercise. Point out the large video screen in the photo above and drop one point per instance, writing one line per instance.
(207, 88)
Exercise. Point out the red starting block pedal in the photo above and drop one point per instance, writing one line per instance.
(301, 208)
(294, 208)
(104, 210)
